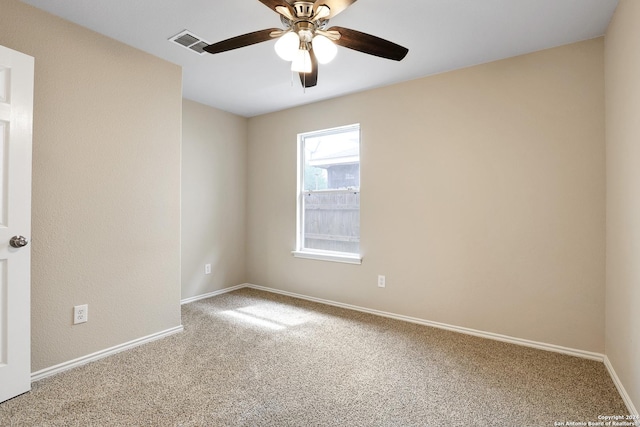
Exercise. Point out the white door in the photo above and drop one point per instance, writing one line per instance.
(16, 112)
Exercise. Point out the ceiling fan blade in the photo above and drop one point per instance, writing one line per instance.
(367, 43)
(310, 79)
(336, 6)
(242, 41)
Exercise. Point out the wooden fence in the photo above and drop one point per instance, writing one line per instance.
(332, 221)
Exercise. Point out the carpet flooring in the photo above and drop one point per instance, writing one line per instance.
(251, 358)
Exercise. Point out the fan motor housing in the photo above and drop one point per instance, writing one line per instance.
(304, 9)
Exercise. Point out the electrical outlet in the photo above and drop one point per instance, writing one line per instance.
(207, 269)
(80, 314)
(381, 281)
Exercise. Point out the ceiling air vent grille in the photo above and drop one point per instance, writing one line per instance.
(190, 41)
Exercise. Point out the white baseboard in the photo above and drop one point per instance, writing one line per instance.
(52, 370)
(212, 294)
(482, 334)
(623, 393)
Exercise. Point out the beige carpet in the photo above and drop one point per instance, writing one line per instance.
(251, 358)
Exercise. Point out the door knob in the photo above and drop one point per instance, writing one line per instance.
(18, 241)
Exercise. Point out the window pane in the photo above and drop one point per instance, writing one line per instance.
(332, 221)
(329, 202)
(332, 161)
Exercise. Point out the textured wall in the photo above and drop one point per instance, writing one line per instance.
(482, 201)
(622, 65)
(106, 186)
(214, 159)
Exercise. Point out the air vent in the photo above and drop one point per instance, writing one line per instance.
(190, 41)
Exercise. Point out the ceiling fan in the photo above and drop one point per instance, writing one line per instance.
(306, 41)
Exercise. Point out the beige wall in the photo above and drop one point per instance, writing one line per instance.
(214, 158)
(622, 65)
(106, 186)
(483, 198)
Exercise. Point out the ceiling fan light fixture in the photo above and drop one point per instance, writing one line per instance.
(324, 49)
(306, 40)
(287, 46)
(301, 62)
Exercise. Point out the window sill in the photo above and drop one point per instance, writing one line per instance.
(329, 256)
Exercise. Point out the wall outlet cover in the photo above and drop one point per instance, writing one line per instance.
(80, 314)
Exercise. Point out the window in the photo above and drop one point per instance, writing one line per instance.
(329, 195)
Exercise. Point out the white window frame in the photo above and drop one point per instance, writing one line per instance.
(317, 254)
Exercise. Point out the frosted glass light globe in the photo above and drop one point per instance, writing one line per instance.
(324, 49)
(301, 62)
(287, 46)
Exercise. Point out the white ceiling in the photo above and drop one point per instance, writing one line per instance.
(441, 35)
